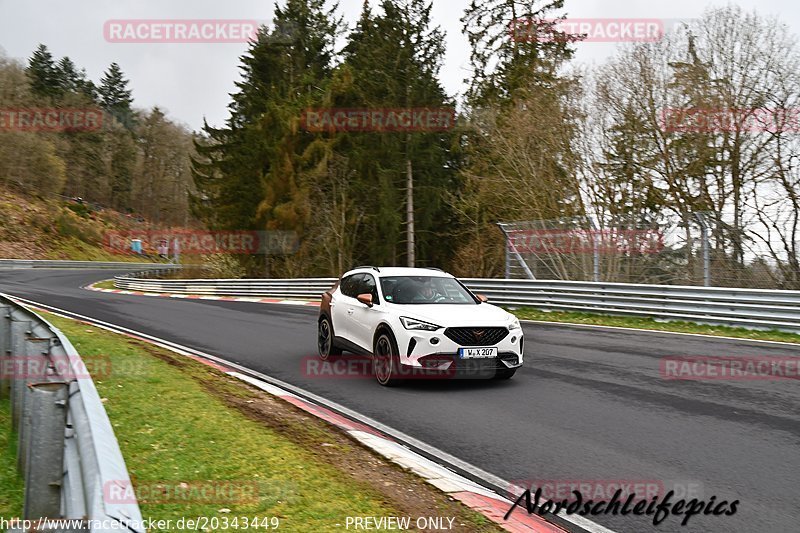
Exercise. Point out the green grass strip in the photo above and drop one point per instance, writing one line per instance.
(12, 486)
(172, 431)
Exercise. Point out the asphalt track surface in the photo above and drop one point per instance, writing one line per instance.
(590, 404)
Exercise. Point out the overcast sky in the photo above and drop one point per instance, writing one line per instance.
(193, 80)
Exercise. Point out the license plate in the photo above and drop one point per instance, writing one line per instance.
(477, 353)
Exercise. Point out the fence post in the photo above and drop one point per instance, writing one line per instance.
(34, 358)
(701, 220)
(508, 259)
(513, 250)
(47, 415)
(18, 349)
(5, 349)
(595, 250)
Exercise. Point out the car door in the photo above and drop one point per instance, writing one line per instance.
(342, 306)
(363, 318)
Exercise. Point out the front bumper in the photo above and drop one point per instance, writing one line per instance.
(433, 353)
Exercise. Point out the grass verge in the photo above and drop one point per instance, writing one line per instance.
(199, 443)
(651, 324)
(12, 486)
(74, 249)
(105, 284)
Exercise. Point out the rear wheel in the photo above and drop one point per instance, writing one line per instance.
(325, 340)
(385, 360)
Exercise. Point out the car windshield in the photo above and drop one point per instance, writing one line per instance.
(425, 290)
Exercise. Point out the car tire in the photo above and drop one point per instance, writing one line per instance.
(505, 373)
(386, 359)
(326, 344)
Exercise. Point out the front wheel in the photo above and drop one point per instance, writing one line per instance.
(325, 344)
(385, 360)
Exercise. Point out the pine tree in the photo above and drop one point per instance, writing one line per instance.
(71, 80)
(263, 171)
(514, 43)
(67, 75)
(393, 59)
(521, 105)
(233, 160)
(627, 191)
(122, 166)
(116, 97)
(245, 172)
(43, 73)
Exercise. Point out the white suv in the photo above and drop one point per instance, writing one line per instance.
(417, 322)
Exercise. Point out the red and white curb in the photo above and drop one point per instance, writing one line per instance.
(487, 502)
(474, 496)
(206, 297)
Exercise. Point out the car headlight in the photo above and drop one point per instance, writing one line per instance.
(514, 324)
(418, 325)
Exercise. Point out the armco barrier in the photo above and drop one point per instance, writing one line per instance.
(67, 452)
(750, 308)
(11, 264)
(271, 288)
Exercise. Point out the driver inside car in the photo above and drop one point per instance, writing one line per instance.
(428, 293)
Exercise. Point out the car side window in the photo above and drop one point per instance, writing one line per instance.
(368, 286)
(350, 285)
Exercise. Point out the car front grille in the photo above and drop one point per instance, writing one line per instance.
(476, 336)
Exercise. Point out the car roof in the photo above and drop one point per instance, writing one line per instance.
(400, 271)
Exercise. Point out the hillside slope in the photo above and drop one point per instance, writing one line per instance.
(38, 227)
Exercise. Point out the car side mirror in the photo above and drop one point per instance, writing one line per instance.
(481, 298)
(365, 299)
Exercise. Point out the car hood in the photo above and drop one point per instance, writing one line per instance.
(447, 315)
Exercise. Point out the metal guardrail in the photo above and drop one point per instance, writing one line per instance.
(44, 263)
(67, 453)
(256, 288)
(750, 308)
